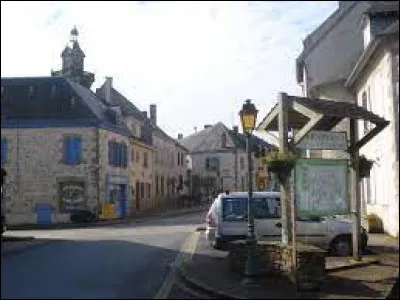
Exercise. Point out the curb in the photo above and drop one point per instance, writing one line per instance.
(353, 266)
(102, 223)
(202, 287)
(391, 294)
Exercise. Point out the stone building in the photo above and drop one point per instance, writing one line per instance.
(63, 149)
(219, 160)
(141, 149)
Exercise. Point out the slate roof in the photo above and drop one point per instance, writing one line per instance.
(129, 109)
(204, 141)
(52, 98)
(372, 47)
(383, 7)
(321, 32)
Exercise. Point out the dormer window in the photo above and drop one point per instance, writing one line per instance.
(72, 102)
(30, 92)
(53, 91)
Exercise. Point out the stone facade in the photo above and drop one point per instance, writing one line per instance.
(36, 170)
(167, 171)
(141, 171)
(110, 177)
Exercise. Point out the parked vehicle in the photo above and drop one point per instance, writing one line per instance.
(227, 221)
(82, 216)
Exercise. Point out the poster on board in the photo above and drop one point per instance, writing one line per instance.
(321, 187)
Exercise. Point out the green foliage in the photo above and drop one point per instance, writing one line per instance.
(277, 156)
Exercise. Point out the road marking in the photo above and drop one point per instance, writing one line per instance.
(185, 255)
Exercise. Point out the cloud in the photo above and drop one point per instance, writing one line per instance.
(198, 61)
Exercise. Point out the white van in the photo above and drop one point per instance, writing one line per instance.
(227, 221)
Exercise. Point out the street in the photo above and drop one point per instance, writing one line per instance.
(119, 261)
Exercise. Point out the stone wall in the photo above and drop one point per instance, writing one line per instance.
(166, 169)
(35, 171)
(275, 259)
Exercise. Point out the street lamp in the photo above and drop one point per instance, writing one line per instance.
(248, 116)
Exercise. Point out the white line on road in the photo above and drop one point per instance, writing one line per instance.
(184, 256)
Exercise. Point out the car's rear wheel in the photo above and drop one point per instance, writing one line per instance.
(342, 246)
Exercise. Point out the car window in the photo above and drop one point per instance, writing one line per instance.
(236, 208)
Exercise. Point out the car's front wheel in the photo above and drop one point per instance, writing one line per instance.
(342, 246)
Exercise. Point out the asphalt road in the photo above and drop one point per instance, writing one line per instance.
(119, 261)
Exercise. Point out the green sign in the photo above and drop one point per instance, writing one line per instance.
(321, 187)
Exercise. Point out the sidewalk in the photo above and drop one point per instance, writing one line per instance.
(371, 278)
(139, 217)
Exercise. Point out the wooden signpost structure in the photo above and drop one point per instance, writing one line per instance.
(305, 115)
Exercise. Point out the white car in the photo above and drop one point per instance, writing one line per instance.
(227, 221)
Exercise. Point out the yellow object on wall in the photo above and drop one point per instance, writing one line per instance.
(108, 211)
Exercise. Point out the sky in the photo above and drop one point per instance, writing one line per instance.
(197, 61)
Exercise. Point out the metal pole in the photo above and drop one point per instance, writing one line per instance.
(355, 194)
(251, 270)
(284, 187)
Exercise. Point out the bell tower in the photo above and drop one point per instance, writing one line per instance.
(73, 62)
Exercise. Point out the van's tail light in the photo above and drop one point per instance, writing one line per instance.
(210, 220)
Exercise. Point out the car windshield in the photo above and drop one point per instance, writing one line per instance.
(236, 208)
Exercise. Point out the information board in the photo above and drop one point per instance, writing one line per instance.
(321, 187)
(316, 139)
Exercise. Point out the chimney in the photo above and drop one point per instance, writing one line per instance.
(180, 136)
(207, 126)
(144, 114)
(153, 113)
(236, 129)
(107, 90)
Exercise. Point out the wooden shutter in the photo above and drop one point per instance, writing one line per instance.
(110, 153)
(67, 150)
(3, 151)
(76, 148)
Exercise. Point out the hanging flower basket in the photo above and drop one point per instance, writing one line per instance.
(280, 164)
(364, 166)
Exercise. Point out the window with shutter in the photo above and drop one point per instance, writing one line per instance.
(4, 149)
(125, 156)
(76, 149)
(72, 148)
(110, 153)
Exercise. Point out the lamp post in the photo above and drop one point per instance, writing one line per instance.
(248, 116)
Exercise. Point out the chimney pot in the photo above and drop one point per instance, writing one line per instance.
(153, 113)
(108, 87)
(180, 136)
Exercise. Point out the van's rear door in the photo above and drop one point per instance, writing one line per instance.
(233, 217)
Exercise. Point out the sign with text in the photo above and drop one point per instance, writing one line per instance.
(321, 187)
(324, 140)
